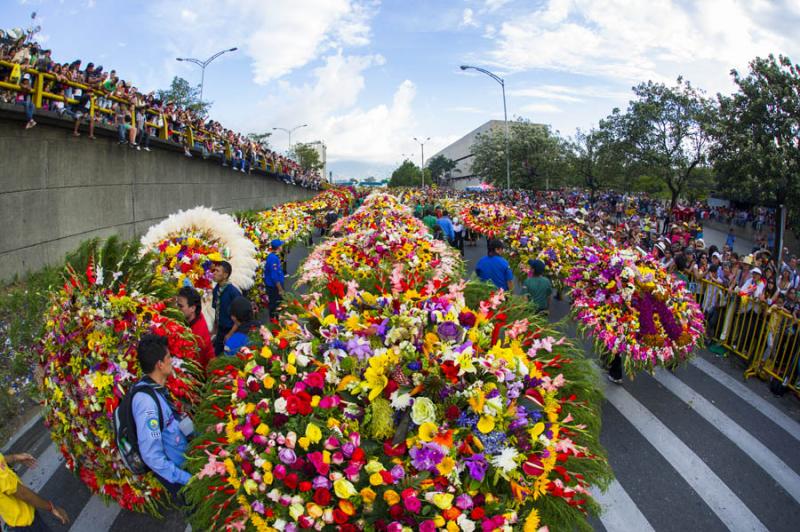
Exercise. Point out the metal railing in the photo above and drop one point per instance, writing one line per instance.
(765, 337)
(190, 135)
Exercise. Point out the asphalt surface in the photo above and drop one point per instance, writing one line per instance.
(700, 449)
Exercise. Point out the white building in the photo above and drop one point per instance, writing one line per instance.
(460, 152)
(321, 149)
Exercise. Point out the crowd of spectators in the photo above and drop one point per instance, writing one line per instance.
(136, 116)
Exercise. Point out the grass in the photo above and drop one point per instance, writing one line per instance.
(22, 306)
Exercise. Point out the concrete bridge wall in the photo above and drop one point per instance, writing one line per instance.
(57, 190)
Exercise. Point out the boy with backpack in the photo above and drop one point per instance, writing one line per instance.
(148, 417)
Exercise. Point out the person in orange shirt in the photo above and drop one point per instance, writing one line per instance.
(18, 504)
(190, 304)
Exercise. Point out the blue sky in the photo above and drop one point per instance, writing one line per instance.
(367, 76)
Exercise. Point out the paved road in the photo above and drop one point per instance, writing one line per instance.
(695, 450)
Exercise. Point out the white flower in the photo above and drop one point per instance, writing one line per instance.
(423, 410)
(506, 460)
(400, 401)
(466, 524)
(280, 406)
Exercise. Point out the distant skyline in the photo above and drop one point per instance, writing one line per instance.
(367, 76)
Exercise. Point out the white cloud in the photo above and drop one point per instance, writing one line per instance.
(640, 40)
(566, 93)
(330, 105)
(494, 5)
(468, 18)
(278, 36)
(540, 108)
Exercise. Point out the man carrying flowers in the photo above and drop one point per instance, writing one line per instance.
(493, 267)
(162, 433)
(274, 277)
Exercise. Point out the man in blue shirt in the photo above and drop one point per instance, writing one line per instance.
(243, 325)
(162, 433)
(223, 295)
(274, 278)
(495, 268)
(447, 227)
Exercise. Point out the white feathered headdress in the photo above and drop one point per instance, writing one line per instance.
(225, 232)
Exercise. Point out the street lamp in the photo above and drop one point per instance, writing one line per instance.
(289, 131)
(203, 65)
(502, 83)
(422, 157)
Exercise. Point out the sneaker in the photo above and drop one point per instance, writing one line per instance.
(30, 123)
(612, 379)
(146, 148)
(138, 148)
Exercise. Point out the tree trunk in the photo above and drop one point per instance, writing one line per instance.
(779, 232)
(674, 201)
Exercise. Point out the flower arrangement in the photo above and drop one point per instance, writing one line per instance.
(88, 361)
(557, 242)
(187, 244)
(418, 404)
(489, 219)
(635, 308)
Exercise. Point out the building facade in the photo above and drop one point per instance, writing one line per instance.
(321, 149)
(460, 152)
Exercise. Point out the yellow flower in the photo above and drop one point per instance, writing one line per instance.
(477, 401)
(313, 433)
(536, 430)
(368, 495)
(391, 497)
(262, 429)
(439, 520)
(486, 424)
(446, 465)
(376, 479)
(532, 521)
(314, 510)
(427, 431)
(344, 489)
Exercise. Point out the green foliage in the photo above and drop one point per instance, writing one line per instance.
(308, 157)
(185, 95)
(595, 159)
(439, 166)
(262, 139)
(663, 132)
(407, 175)
(537, 155)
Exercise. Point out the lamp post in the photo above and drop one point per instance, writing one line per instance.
(502, 83)
(203, 65)
(422, 157)
(289, 131)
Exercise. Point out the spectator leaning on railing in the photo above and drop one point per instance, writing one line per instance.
(117, 103)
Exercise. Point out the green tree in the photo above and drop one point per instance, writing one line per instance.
(664, 132)
(439, 166)
(537, 154)
(757, 148)
(307, 157)
(262, 139)
(185, 95)
(407, 175)
(594, 159)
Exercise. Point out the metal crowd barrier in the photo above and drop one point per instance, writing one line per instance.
(766, 338)
(189, 135)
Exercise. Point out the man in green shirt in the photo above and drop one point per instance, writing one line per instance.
(429, 220)
(538, 287)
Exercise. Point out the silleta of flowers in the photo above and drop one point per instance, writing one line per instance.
(188, 243)
(419, 405)
(635, 308)
(88, 358)
(489, 219)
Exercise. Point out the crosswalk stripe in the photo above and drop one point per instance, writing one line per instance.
(48, 464)
(96, 515)
(749, 396)
(760, 453)
(717, 495)
(620, 513)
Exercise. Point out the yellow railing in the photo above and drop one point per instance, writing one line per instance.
(765, 337)
(189, 136)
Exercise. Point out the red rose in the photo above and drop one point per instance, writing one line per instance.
(322, 496)
(391, 386)
(394, 450)
(291, 481)
(358, 455)
(305, 486)
(466, 319)
(396, 511)
(477, 513)
(452, 412)
(339, 516)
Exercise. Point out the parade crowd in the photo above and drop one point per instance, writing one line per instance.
(135, 115)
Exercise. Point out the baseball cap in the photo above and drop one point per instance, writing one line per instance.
(275, 244)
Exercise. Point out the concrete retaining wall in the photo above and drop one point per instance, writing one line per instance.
(57, 190)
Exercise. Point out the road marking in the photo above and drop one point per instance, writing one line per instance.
(757, 451)
(753, 399)
(722, 501)
(48, 464)
(620, 513)
(21, 432)
(96, 515)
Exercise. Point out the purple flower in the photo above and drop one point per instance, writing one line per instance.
(360, 350)
(321, 482)
(258, 507)
(477, 465)
(287, 456)
(398, 472)
(427, 457)
(464, 502)
(348, 449)
(448, 330)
